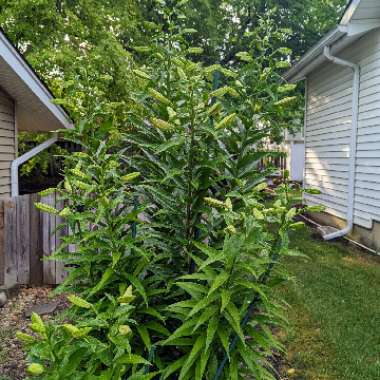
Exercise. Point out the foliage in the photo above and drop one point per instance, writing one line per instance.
(223, 27)
(39, 164)
(83, 50)
(171, 244)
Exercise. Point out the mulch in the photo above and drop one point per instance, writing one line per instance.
(13, 319)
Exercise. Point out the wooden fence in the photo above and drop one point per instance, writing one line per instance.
(27, 235)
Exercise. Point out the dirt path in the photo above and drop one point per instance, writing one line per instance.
(12, 319)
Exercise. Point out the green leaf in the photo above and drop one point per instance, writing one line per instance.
(218, 282)
(209, 251)
(202, 304)
(80, 302)
(224, 336)
(211, 330)
(132, 359)
(205, 316)
(226, 297)
(198, 346)
(139, 287)
(184, 330)
(195, 290)
(157, 327)
(173, 367)
(234, 369)
(212, 260)
(233, 318)
(144, 334)
(103, 281)
(202, 365)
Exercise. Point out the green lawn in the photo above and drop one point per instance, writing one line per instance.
(335, 311)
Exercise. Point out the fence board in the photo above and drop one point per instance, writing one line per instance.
(27, 235)
(48, 228)
(36, 254)
(10, 239)
(60, 272)
(23, 239)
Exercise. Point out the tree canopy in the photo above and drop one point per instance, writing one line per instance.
(84, 49)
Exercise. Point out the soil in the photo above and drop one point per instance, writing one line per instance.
(13, 319)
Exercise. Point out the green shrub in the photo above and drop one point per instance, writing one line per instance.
(172, 249)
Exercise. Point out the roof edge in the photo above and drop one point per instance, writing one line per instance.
(295, 72)
(346, 32)
(351, 7)
(26, 73)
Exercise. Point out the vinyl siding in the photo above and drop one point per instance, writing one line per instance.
(7, 143)
(328, 130)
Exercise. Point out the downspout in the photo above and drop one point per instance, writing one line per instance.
(353, 143)
(25, 157)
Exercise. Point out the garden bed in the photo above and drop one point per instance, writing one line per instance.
(13, 319)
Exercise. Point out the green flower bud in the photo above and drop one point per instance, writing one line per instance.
(131, 176)
(142, 49)
(142, 74)
(226, 122)
(25, 338)
(286, 101)
(258, 214)
(35, 369)
(214, 109)
(65, 212)
(46, 192)
(80, 302)
(195, 50)
(159, 97)
(46, 208)
(161, 124)
(215, 203)
(127, 297)
(125, 330)
(78, 173)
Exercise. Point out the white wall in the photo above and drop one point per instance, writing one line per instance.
(328, 128)
(296, 160)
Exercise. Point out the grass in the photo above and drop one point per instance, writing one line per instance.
(334, 311)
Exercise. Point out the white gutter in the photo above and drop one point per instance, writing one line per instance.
(353, 142)
(25, 157)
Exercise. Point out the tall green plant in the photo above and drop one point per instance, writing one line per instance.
(171, 243)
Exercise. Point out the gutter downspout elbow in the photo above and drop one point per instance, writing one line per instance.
(25, 157)
(353, 142)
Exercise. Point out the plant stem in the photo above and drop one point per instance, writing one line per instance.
(189, 229)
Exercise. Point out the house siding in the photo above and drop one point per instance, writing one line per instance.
(328, 131)
(7, 143)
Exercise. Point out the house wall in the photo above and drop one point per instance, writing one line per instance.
(328, 130)
(7, 143)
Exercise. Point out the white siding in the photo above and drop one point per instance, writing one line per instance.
(7, 143)
(328, 130)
